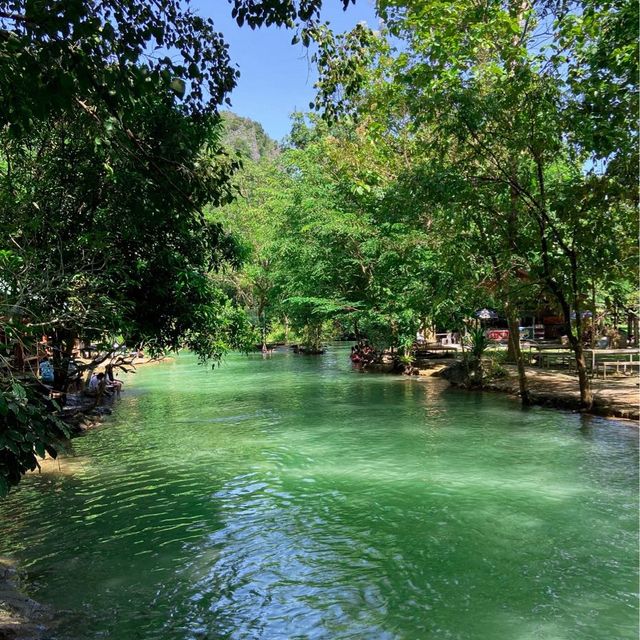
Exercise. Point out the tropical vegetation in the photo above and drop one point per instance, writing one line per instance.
(466, 155)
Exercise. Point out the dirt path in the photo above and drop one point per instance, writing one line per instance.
(614, 397)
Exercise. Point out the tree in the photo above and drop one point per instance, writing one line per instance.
(254, 219)
(108, 273)
(57, 56)
(330, 221)
(503, 112)
(29, 429)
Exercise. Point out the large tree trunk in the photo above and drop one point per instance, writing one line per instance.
(512, 316)
(586, 396)
(575, 342)
(64, 342)
(514, 347)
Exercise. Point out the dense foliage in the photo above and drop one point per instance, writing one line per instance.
(487, 160)
(30, 429)
(110, 148)
(524, 114)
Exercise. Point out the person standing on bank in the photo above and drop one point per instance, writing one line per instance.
(46, 371)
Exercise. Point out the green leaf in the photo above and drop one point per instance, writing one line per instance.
(179, 87)
(19, 391)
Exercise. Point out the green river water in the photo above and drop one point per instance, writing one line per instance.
(291, 497)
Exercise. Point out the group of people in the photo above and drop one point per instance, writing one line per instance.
(100, 384)
(362, 353)
(104, 384)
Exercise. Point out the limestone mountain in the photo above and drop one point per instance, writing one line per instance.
(247, 138)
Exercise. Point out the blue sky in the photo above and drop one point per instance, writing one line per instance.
(276, 77)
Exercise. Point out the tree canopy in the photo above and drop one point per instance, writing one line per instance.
(110, 151)
(472, 154)
(525, 136)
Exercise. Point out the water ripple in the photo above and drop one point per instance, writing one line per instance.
(289, 498)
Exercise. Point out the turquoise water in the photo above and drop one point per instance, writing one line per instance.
(293, 498)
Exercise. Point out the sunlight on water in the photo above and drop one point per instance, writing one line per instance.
(293, 498)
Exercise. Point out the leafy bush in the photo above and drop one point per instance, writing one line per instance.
(478, 342)
(28, 428)
(492, 369)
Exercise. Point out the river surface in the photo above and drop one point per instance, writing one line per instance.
(292, 498)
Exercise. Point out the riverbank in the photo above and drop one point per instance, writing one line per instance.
(612, 398)
(21, 618)
(82, 413)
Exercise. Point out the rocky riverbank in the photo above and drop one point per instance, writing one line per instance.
(21, 618)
